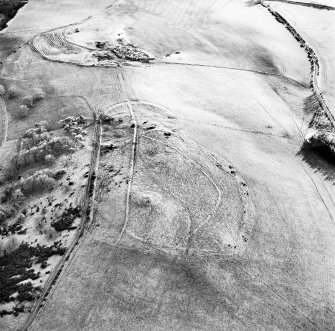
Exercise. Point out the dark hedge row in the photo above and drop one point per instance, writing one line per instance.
(67, 219)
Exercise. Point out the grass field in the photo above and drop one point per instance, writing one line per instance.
(207, 213)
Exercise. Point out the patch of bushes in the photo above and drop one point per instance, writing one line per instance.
(13, 92)
(27, 100)
(319, 137)
(25, 292)
(59, 174)
(74, 126)
(67, 219)
(35, 136)
(11, 229)
(31, 98)
(321, 132)
(17, 197)
(38, 94)
(38, 129)
(6, 213)
(132, 53)
(40, 181)
(2, 90)
(14, 270)
(49, 159)
(123, 50)
(20, 112)
(54, 146)
(321, 121)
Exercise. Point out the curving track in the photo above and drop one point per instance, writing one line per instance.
(132, 168)
(316, 63)
(4, 121)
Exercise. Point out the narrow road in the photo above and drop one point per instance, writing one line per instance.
(86, 214)
(132, 167)
(267, 73)
(305, 4)
(4, 124)
(315, 63)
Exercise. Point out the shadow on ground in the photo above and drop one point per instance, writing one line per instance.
(320, 159)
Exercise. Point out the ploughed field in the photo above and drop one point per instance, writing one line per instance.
(199, 206)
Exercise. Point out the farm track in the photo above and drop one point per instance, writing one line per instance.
(82, 98)
(305, 4)
(321, 189)
(132, 169)
(273, 293)
(265, 73)
(4, 122)
(314, 61)
(58, 40)
(181, 250)
(87, 212)
(258, 132)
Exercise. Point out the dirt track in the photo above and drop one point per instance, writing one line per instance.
(305, 4)
(87, 204)
(315, 66)
(4, 122)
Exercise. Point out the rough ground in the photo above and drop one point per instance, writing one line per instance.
(206, 212)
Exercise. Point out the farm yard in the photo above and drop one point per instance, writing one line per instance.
(167, 166)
